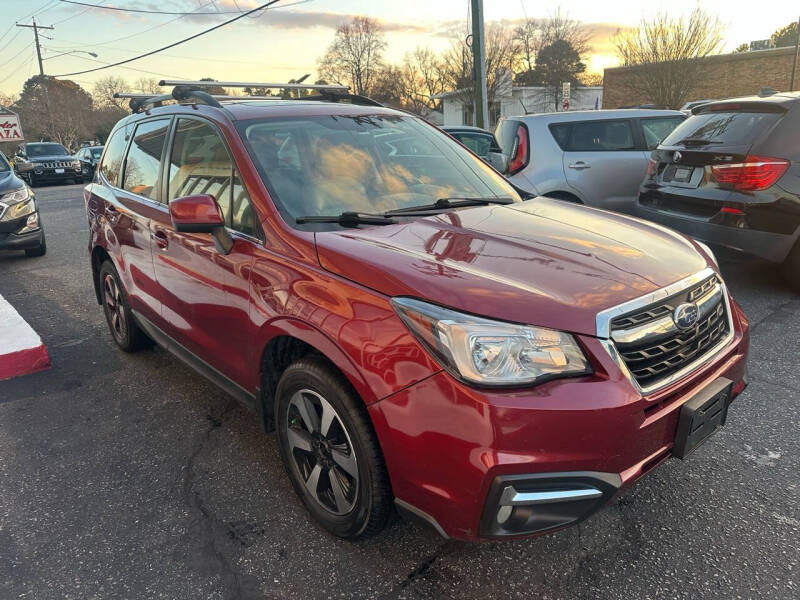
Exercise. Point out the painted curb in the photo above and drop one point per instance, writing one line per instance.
(21, 349)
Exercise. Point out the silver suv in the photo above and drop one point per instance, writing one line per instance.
(598, 158)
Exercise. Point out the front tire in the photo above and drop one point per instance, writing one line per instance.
(330, 450)
(121, 323)
(791, 267)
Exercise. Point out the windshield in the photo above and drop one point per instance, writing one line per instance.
(479, 143)
(34, 150)
(96, 152)
(728, 127)
(326, 165)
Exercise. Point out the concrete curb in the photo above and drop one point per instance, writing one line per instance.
(21, 348)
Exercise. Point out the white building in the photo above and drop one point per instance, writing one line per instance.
(523, 100)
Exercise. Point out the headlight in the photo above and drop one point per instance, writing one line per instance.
(18, 204)
(491, 352)
(76, 164)
(708, 251)
(15, 196)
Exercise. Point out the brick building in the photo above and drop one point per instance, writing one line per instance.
(724, 76)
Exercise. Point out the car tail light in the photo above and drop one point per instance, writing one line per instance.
(755, 173)
(520, 156)
(652, 167)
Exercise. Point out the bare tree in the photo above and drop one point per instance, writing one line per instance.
(104, 90)
(148, 85)
(502, 52)
(355, 56)
(666, 54)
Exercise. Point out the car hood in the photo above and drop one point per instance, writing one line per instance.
(9, 182)
(542, 262)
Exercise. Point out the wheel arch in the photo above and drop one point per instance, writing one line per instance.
(99, 256)
(288, 340)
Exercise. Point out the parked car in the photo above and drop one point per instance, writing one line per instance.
(415, 333)
(687, 108)
(20, 223)
(481, 142)
(597, 158)
(46, 162)
(730, 175)
(89, 156)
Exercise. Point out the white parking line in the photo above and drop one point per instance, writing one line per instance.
(21, 348)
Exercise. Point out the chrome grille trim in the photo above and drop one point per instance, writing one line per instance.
(57, 164)
(605, 317)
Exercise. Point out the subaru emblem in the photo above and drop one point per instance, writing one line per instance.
(685, 316)
(677, 157)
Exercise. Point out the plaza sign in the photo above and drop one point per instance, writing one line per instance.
(10, 129)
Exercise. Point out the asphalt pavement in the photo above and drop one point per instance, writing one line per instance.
(130, 476)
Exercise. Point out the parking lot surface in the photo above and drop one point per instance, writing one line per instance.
(130, 476)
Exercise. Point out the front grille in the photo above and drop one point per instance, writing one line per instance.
(57, 164)
(657, 355)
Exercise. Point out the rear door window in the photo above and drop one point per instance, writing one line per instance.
(144, 158)
(589, 136)
(657, 128)
(111, 168)
(728, 128)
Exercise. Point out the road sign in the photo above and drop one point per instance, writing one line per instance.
(10, 129)
(565, 90)
(565, 104)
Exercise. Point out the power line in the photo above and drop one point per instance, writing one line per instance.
(153, 12)
(145, 71)
(83, 12)
(197, 35)
(36, 29)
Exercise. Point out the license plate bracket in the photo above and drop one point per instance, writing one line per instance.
(702, 416)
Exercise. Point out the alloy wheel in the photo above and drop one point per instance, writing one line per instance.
(322, 452)
(113, 305)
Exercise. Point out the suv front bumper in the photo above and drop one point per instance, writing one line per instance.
(466, 459)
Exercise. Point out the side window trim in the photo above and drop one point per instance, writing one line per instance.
(157, 200)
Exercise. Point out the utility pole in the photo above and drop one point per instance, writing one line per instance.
(479, 65)
(796, 52)
(36, 29)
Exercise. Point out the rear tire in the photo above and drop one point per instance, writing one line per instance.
(40, 250)
(791, 267)
(121, 322)
(330, 450)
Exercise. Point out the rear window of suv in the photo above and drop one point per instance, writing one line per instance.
(729, 127)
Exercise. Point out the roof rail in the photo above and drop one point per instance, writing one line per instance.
(140, 96)
(255, 84)
(327, 91)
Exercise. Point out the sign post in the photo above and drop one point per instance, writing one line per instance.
(10, 129)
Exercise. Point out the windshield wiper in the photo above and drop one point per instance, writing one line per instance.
(445, 203)
(699, 142)
(348, 218)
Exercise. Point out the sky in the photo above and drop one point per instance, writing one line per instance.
(285, 42)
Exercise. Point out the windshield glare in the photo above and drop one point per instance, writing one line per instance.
(34, 150)
(731, 128)
(325, 165)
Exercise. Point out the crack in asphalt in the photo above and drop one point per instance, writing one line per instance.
(212, 531)
(422, 570)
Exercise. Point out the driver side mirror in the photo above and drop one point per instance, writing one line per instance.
(499, 161)
(201, 214)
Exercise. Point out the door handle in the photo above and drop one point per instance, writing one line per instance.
(161, 239)
(579, 166)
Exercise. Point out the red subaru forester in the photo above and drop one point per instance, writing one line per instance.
(418, 336)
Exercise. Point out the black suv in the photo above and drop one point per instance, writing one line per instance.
(46, 162)
(730, 175)
(20, 225)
